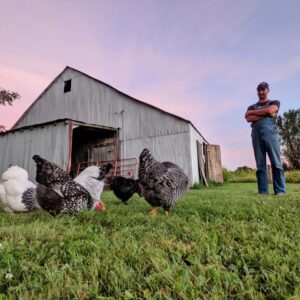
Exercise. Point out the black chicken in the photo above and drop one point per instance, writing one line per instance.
(123, 188)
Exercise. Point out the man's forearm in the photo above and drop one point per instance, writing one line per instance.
(259, 112)
(264, 112)
(253, 118)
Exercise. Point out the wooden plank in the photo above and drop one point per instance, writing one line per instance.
(104, 149)
(214, 164)
(270, 175)
(201, 164)
(206, 160)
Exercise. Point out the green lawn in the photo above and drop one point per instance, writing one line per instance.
(220, 243)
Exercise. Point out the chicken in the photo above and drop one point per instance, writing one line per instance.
(123, 187)
(57, 192)
(92, 179)
(161, 184)
(17, 193)
(3, 199)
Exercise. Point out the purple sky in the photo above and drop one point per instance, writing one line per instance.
(201, 60)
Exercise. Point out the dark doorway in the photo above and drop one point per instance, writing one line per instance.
(91, 144)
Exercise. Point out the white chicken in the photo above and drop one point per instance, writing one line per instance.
(17, 193)
(92, 179)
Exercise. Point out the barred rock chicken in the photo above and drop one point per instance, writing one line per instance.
(17, 193)
(123, 188)
(161, 184)
(57, 192)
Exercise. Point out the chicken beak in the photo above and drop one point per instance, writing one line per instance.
(100, 206)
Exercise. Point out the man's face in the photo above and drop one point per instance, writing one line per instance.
(263, 94)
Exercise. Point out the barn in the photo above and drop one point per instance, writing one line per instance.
(79, 120)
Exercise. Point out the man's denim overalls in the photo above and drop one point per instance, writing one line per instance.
(265, 139)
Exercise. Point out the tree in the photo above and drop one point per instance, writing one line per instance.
(243, 169)
(289, 130)
(7, 97)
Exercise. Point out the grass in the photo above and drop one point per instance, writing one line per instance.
(293, 176)
(224, 242)
(249, 176)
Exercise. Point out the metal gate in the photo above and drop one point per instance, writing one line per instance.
(127, 167)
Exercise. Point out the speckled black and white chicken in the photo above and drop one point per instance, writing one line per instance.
(17, 193)
(160, 183)
(57, 192)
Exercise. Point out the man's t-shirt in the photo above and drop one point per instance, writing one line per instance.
(261, 105)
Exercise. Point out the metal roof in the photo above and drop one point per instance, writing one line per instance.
(74, 122)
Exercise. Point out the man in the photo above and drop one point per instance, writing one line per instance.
(265, 140)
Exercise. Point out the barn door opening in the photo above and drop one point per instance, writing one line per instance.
(93, 144)
(104, 149)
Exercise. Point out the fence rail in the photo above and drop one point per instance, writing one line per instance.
(123, 167)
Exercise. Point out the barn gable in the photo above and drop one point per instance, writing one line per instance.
(92, 101)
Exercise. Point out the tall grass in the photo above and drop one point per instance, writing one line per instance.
(249, 176)
(293, 176)
(225, 242)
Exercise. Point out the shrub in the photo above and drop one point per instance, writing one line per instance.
(292, 176)
(243, 174)
(227, 175)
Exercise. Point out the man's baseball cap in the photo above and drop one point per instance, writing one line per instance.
(263, 85)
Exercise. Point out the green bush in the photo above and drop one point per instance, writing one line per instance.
(243, 175)
(212, 183)
(227, 175)
(292, 176)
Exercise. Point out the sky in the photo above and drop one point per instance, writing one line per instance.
(201, 60)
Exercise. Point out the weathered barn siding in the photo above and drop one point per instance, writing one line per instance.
(194, 137)
(174, 148)
(93, 102)
(214, 164)
(19, 146)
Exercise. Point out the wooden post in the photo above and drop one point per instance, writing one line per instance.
(270, 176)
(215, 171)
(201, 164)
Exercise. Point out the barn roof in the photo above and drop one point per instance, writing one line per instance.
(54, 122)
(97, 80)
